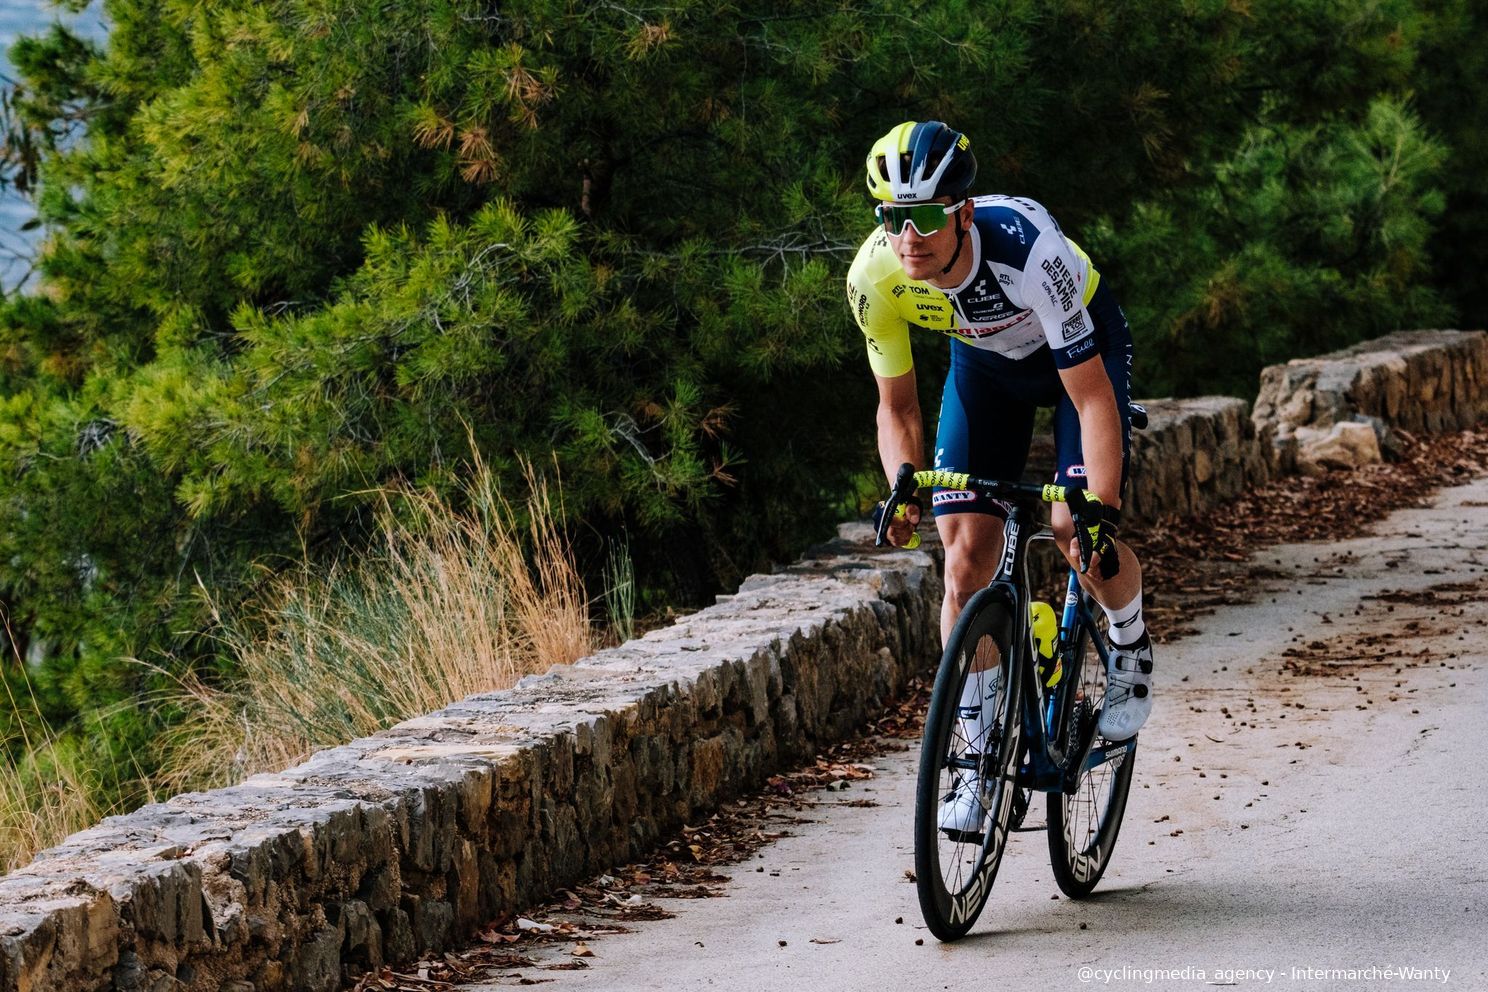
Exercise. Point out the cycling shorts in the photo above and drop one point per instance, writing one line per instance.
(987, 411)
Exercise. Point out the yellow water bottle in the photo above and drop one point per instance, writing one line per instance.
(1045, 633)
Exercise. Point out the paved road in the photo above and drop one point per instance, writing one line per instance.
(1327, 818)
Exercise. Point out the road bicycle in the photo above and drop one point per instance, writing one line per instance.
(1040, 735)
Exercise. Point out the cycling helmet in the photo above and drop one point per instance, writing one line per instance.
(916, 162)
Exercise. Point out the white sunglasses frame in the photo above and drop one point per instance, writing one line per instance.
(947, 208)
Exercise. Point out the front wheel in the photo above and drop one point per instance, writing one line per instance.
(1083, 824)
(964, 800)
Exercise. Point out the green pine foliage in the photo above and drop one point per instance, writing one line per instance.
(306, 250)
(1303, 241)
(1450, 89)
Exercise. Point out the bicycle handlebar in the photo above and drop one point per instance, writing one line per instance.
(908, 480)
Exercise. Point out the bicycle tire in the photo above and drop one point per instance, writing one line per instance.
(1084, 825)
(951, 896)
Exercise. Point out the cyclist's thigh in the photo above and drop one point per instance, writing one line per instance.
(985, 429)
(973, 547)
(1114, 339)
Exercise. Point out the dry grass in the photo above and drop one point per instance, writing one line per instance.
(44, 797)
(446, 605)
(49, 785)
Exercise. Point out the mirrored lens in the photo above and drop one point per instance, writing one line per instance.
(926, 217)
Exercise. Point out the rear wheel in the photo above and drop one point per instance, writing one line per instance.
(955, 868)
(1083, 824)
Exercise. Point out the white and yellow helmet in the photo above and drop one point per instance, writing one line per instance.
(916, 162)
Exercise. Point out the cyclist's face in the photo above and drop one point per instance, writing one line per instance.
(925, 255)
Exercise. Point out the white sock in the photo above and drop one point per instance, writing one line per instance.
(1126, 623)
(979, 689)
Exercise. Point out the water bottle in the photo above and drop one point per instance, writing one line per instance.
(1045, 635)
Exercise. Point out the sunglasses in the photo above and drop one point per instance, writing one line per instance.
(927, 218)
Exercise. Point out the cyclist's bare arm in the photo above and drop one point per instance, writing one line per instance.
(901, 439)
(1089, 389)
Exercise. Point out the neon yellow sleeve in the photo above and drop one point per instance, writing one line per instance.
(885, 331)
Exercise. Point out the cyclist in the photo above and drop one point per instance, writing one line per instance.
(1031, 325)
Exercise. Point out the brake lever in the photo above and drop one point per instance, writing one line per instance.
(890, 507)
(1078, 506)
(904, 487)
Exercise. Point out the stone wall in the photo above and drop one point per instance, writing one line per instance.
(1316, 409)
(1194, 455)
(404, 842)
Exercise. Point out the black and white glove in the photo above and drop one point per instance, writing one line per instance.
(1095, 529)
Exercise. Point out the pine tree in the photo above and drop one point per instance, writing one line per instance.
(311, 247)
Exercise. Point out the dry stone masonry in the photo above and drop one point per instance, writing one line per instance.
(1194, 455)
(1319, 411)
(405, 842)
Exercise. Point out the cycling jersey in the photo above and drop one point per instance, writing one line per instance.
(987, 412)
(1029, 286)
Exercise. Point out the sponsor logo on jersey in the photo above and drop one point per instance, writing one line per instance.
(929, 306)
(919, 290)
(987, 330)
(1004, 278)
(986, 309)
(862, 309)
(1075, 351)
(899, 290)
(1015, 229)
(980, 294)
(1063, 282)
(1075, 471)
(1074, 326)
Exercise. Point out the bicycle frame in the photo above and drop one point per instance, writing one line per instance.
(1056, 756)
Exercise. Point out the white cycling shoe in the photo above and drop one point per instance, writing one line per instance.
(962, 814)
(1128, 691)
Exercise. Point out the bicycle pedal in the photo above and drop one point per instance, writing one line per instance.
(965, 836)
